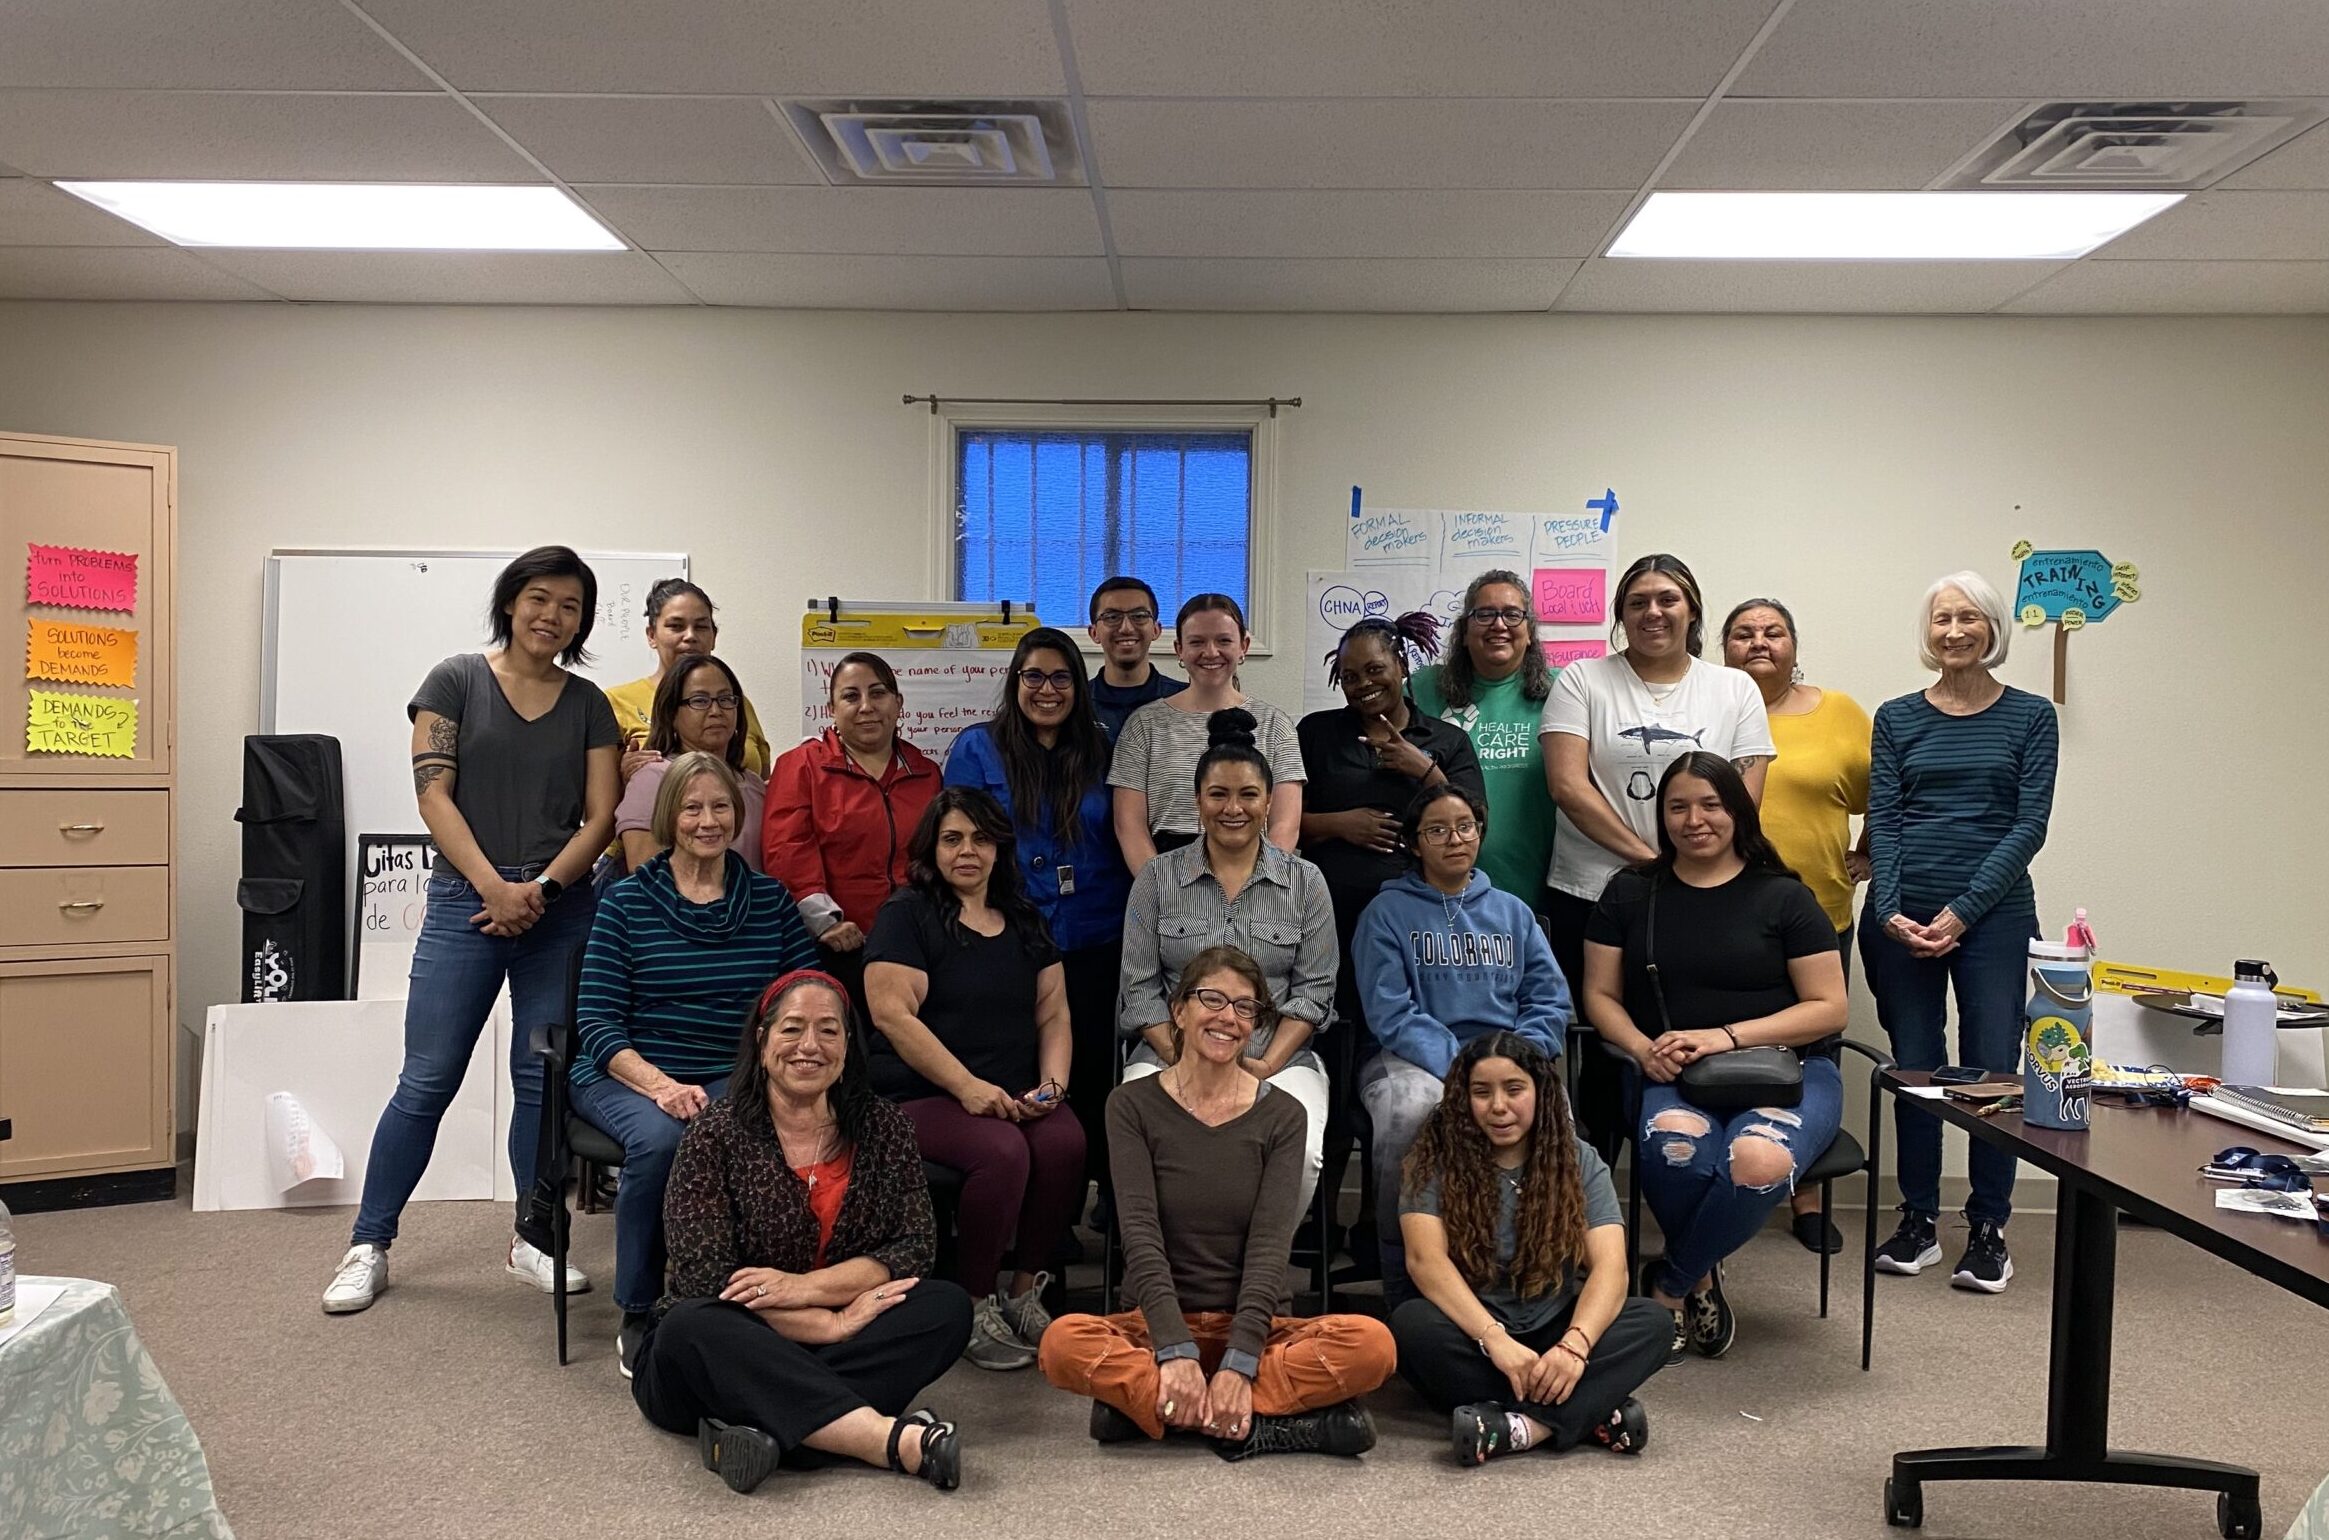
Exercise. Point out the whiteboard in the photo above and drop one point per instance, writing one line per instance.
(351, 633)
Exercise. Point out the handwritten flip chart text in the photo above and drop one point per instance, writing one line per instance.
(1469, 541)
(80, 654)
(1560, 654)
(1393, 537)
(72, 578)
(1572, 596)
(80, 724)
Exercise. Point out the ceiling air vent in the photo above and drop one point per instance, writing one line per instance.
(2141, 146)
(940, 144)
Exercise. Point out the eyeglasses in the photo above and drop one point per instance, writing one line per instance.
(1489, 615)
(1449, 834)
(1247, 1009)
(1059, 681)
(1116, 620)
(711, 702)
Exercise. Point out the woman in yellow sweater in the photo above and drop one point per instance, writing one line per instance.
(1810, 794)
(679, 624)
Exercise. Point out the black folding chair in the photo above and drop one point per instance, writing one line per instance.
(1844, 1155)
(567, 1137)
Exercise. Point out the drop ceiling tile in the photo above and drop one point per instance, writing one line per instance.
(2302, 163)
(1352, 285)
(458, 277)
(114, 272)
(1748, 288)
(1383, 143)
(747, 47)
(1362, 224)
(2180, 288)
(261, 136)
(2231, 226)
(896, 283)
(895, 221)
(2144, 49)
(1397, 48)
(667, 139)
(36, 214)
(227, 45)
(1856, 146)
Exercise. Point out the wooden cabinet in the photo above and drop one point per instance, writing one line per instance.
(88, 875)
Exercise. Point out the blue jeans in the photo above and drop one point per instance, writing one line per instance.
(456, 971)
(1399, 1098)
(1987, 970)
(650, 1138)
(1705, 1208)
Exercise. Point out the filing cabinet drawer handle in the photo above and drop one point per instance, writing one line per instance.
(71, 904)
(80, 828)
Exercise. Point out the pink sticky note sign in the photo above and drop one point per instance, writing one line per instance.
(74, 579)
(1562, 654)
(1571, 596)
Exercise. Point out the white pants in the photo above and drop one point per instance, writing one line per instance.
(1303, 1081)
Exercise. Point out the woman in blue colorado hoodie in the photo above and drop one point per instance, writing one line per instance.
(1443, 956)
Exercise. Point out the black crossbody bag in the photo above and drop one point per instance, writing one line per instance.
(1724, 1082)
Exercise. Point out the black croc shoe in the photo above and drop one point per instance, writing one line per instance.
(1625, 1430)
(1479, 1433)
(941, 1449)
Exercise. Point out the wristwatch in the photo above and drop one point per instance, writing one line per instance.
(551, 887)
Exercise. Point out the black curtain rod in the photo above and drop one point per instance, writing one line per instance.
(933, 402)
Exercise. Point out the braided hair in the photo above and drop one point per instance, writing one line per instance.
(1413, 639)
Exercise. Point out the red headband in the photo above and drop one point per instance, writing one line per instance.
(775, 991)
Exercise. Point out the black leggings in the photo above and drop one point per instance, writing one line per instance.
(710, 1358)
(1448, 1369)
(1093, 976)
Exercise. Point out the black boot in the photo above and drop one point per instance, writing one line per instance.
(1343, 1428)
(1110, 1426)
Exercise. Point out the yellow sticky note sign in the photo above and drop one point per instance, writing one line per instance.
(71, 652)
(80, 724)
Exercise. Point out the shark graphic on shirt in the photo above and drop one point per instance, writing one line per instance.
(1650, 735)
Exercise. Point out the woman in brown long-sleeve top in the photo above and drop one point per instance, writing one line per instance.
(796, 1325)
(1208, 1160)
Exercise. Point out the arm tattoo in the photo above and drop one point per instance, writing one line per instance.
(428, 769)
(445, 736)
(1747, 762)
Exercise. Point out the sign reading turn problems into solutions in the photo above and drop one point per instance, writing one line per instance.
(75, 579)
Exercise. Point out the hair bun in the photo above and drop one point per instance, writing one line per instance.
(1232, 726)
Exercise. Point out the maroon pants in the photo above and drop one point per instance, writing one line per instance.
(1021, 1184)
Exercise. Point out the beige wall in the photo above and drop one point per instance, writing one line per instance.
(1838, 463)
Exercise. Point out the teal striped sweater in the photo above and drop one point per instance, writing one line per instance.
(674, 980)
(1957, 806)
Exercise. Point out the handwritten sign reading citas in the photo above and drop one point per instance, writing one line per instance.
(70, 653)
(80, 724)
(74, 579)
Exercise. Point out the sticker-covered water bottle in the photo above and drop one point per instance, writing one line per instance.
(2057, 1051)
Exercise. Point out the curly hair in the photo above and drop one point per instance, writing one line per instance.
(1452, 1151)
(1457, 676)
(1412, 638)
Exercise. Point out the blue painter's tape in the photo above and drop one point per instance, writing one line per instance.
(1354, 502)
(1607, 504)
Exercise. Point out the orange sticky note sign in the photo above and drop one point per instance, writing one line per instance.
(80, 724)
(1562, 654)
(71, 653)
(76, 579)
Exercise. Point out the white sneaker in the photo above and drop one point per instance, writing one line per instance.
(363, 1274)
(530, 1264)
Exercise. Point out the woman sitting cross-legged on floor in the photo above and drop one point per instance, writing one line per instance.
(1523, 1330)
(679, 951)
(798, 1324)
(1713, 947)
(1208, 1165)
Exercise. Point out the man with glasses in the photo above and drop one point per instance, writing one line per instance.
(1125, 625)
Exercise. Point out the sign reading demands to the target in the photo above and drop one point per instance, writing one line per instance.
(2074, 588)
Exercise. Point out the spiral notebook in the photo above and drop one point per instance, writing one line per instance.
(2305, 1111)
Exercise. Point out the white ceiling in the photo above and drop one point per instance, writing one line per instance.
(1372, 155)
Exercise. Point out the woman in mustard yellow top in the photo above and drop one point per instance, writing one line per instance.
(679, 623)
(1810, 794)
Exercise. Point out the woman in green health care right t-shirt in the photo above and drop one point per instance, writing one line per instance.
(1493, 686)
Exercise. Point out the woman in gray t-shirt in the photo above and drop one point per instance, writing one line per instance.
(514, 763)
(1522, 1329)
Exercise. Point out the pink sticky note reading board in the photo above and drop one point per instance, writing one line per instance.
(1571, 596)
(72, 578)
(1562, 654)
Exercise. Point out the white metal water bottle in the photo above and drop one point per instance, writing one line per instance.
(2251, 1017)
(7, 1269)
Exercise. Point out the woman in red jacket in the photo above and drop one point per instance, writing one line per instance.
(840, 810)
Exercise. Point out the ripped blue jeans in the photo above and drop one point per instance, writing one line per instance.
(1713, 1177)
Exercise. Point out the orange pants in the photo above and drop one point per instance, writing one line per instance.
(1307, 1362)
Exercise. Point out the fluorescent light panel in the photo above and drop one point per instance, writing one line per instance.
(1883, 226)
(353, 216)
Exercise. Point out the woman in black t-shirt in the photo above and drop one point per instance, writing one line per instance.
(1714, 946)
(971, 1002)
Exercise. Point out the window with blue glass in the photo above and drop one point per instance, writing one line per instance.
(1043, 514)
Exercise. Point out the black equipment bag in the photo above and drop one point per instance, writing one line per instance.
(293, 892)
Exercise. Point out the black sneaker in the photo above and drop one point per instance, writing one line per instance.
(743, 1455)
(1343, 1428)
(1985, 1267)
(1712, 1324)
(1680, 1349)
(1625, 1430)
(627, 1340)
(1816, 1232)
(1912, 1248)
(1110, 1426)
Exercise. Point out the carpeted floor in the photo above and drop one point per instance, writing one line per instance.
(442, 1412)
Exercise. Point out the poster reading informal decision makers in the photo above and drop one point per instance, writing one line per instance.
(1401, 559)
